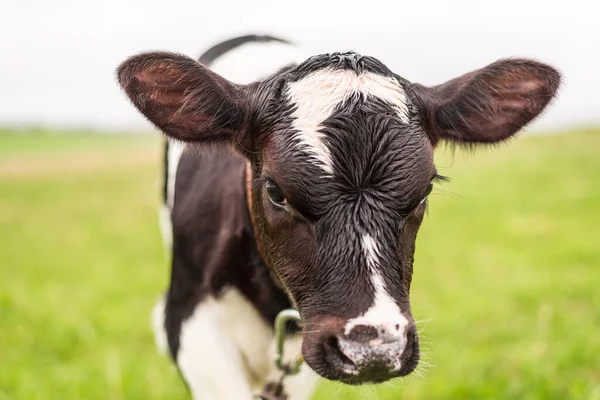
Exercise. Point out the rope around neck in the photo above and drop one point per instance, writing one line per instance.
(274, 390)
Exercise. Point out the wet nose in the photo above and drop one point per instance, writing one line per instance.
(374, 350)
(364, 353)
(355, 353)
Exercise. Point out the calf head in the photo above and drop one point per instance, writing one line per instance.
(341, 151)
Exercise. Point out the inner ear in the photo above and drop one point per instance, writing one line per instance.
(184, 99)
(490, 104)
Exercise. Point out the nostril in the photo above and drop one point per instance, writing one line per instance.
(364, 333)
(410, 336)
(334, 353)
(332, 343)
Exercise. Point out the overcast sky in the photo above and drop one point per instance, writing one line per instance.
(59, 56)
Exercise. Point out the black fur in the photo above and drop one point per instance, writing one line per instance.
(221, 48)
(346, 61)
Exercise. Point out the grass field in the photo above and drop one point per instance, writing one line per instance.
(507, 272)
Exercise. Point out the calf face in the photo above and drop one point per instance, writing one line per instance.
(341, 151)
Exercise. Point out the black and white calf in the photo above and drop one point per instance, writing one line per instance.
(303, 182)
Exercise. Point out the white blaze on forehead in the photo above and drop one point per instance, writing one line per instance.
(384, 312)
(317, 95)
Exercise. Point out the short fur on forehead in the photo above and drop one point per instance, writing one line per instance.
(344, 61)
(374, 154)
(327, 82)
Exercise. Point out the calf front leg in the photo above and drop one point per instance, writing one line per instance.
(222, 348)
(208, 359)
(223, 352)
(196, 325)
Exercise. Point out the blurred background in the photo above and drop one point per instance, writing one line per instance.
(507, 270)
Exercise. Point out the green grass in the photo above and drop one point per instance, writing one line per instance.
(36, 141)
(507, 273)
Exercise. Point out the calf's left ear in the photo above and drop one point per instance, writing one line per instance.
(184, 99)
(487, 105)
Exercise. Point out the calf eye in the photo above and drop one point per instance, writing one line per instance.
(429, 189)
(427, 193)
(275, 195)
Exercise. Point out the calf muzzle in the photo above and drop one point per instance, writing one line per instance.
(366, 354)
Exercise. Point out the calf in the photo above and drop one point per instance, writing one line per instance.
(294, 182)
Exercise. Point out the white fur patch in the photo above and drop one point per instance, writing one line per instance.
(318, 94)
(164, 212)
(384, 313)
(173, 156)
(158, 324)
(254, 61)
(166, 226)
(225, 348)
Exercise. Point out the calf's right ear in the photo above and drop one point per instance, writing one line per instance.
(184, 99)
(487, 105)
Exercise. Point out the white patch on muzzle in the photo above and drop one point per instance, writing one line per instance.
(318, 94)
(384, 314)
